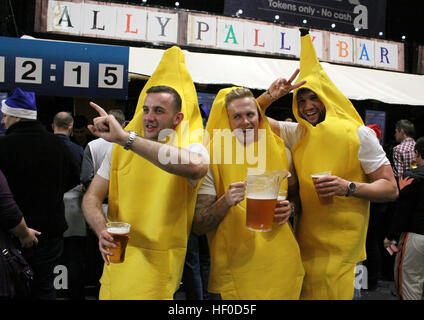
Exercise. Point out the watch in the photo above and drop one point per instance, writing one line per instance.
(130, 140)
(351, 188)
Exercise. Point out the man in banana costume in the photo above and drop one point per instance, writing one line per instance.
(153, 186)
(244, 264)
(330, 136)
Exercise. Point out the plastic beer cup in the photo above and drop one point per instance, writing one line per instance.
(315, 177)
(120, 233)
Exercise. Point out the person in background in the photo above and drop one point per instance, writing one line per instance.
(96, 151)
(74, 253)
(62, 127)
(403, 153)
(12, 219)
(39, 170)
(80, 133)
(408, 221)
(13, 222)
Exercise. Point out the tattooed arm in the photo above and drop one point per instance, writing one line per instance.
(210, 210)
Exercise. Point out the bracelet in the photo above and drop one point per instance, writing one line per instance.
(269, 93)
(130, 140)
(293, 209)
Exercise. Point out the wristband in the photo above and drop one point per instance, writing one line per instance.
(269, 93)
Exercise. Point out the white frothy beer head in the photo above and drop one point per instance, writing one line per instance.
(118, 227)
(321, 174)
(115, 230)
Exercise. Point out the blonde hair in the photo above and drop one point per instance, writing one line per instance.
(237, 93)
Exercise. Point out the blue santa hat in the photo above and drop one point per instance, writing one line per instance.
(20, 104)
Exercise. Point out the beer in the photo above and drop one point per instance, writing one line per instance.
(323, 200)
(414, 164)
(120, 233)
(260, 213)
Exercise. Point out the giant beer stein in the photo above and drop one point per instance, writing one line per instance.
(262, 194)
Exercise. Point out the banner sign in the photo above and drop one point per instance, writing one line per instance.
(378, 118)
(364, 17)
(173, 26)
(63, 68)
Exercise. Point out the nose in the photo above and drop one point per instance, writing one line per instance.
(148, 116)
(309, 104)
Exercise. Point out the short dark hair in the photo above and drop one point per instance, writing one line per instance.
(172, 91)
(407, 127)
(302, 90)
(118, 114)
(63, 120)
(419, 146)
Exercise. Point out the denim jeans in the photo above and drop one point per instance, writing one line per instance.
(196, 268)
(43, 258)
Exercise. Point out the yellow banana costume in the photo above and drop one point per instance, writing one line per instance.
(246, 264)
(331, 237)
(158, 205)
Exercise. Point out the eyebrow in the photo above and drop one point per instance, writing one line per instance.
(153, 107)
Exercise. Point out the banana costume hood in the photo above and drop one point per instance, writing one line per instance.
(331, 237)
(158, 205)
(246, 264)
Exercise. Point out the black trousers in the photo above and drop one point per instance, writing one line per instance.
(43, 258)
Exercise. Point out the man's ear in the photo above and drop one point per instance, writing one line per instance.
(179, 116)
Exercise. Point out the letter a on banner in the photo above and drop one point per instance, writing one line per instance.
(230, 34)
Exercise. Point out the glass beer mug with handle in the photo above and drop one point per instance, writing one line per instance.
(262, 193)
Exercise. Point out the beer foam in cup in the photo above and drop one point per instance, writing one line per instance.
(321, 174)
(118, 227)
(261, 196)
(116, 230)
